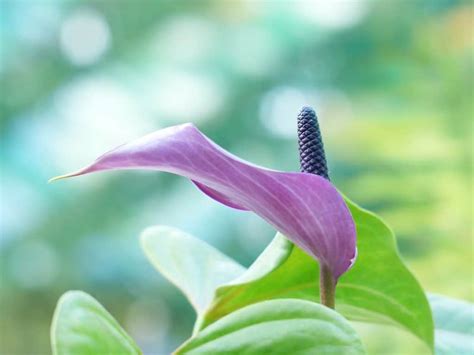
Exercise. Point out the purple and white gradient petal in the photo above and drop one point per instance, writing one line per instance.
(305, 207)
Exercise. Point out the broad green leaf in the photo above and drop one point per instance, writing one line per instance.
(285, 326)
(81, 326)
(454, 322)
(192, 265)
(379, 288)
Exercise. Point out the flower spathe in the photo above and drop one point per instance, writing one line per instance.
(305, 207)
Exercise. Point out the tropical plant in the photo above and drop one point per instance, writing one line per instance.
(301, 293)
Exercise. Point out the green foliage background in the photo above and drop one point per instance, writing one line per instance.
(392, 86)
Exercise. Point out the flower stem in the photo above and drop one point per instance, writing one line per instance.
(327, 288)
(313, 161)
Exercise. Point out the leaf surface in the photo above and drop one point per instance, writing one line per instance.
(454, 321)
(82, 326)
(194, 266)
(285, 326)
(379, 288)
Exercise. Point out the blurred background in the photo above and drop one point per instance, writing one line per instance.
(391, 81)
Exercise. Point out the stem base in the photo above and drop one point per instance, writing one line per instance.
(327, 287)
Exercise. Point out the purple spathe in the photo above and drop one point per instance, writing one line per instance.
(305, 207)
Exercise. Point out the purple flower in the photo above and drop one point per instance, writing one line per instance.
(305, 207)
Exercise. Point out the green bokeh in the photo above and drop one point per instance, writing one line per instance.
(390, 80)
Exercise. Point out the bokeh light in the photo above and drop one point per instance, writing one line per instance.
(85, 37)
(333, 15)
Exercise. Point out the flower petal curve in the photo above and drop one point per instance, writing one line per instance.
(305, 207)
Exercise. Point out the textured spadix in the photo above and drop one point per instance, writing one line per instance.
(304, 207)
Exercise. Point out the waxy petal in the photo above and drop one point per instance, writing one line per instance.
(304, 207)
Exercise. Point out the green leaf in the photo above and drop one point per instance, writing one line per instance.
(454, 321)
(82, 326)
(379, 288)
(283, 326)
(192, 265)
